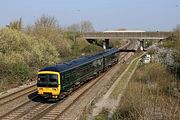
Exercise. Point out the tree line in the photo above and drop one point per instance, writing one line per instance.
(26, 49)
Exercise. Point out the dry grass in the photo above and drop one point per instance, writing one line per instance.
(148, 96)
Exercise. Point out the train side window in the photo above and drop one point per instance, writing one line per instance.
(62, 79)
(65, 77)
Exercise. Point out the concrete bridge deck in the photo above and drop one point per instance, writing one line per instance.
(128, 35)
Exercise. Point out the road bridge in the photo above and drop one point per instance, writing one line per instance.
(129, 35)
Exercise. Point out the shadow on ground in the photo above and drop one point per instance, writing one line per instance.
(37, 98)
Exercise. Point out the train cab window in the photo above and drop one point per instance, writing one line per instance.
(53, 81)
(42, 78)
(53, 78)
(47, 80)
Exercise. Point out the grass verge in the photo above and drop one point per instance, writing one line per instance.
(123, 80)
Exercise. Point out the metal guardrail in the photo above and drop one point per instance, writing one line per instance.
(127, 35)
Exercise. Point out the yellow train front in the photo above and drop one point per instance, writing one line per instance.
(48, 84)
(56, 81)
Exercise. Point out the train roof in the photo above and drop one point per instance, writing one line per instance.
(76, 62)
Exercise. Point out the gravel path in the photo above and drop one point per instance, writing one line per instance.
(107, 101)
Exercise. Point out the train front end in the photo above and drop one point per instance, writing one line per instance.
(48, 84)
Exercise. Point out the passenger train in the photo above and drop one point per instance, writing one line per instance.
(56, 81)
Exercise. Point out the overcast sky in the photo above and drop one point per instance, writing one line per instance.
(103, 14)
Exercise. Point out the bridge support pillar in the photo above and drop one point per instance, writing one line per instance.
(106, 44)
(142, 44)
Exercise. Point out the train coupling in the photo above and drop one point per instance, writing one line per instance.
(47, 95)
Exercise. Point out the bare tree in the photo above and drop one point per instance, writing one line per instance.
(47, 22)
(86, 26)
(16, 24)
(74, 28)
(45, 26)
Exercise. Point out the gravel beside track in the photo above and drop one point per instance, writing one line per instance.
(7, 93)
(17, 95)
(20, 110)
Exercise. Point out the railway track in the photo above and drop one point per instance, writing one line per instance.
(23, 92)
(20, 110)
(11, 101)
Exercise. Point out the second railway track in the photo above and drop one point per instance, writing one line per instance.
(25, 91)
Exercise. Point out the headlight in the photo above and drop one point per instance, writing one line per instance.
(40, 88)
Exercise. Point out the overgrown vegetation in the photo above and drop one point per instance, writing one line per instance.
(168, 53)
(26, 49)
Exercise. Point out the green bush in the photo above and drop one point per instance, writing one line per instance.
(19, 52)
(19, 47)
(21, 71)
